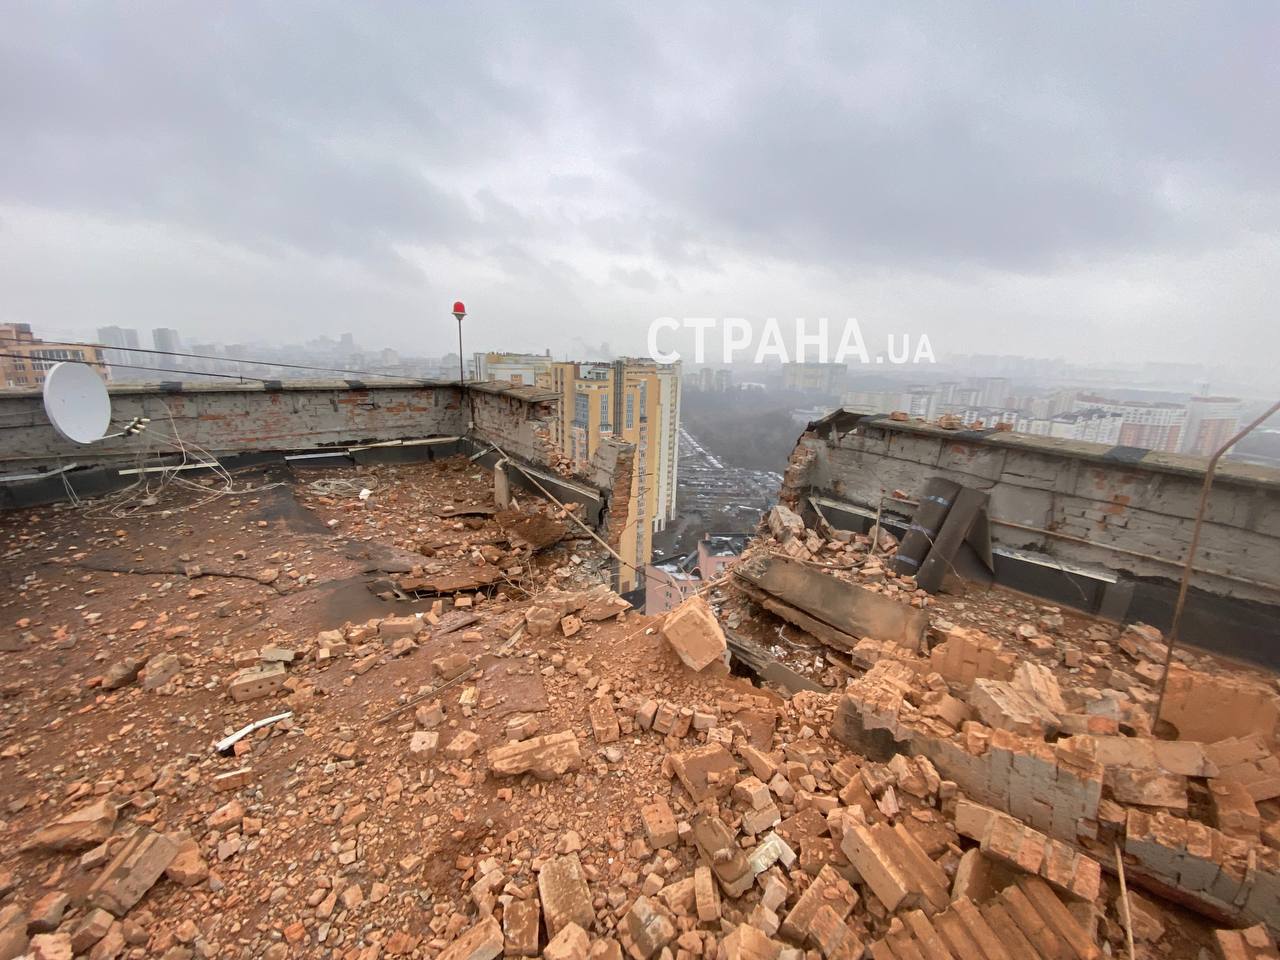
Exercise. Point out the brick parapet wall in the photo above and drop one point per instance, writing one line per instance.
(227, 418)
(233, 418)
(1120, 510)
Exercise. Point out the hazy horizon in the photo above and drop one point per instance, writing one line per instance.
(1048, 182)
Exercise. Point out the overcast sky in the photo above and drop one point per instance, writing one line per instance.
(1043, 179)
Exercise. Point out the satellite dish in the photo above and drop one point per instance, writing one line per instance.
(76, 401)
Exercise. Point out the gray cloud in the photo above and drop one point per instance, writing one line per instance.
(631, 162)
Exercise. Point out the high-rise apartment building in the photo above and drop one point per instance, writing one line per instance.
(707, 380)
(824, 378)
(633, 400)
(1094, 425)
(920, 402)
(871, 401)
(1153, 426)
(637, 401)
(992, 391)
(32, 357)
(166, 339)
(1211, 422)
(1049, 405)
(120, 337)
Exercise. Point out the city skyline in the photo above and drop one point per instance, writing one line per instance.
(979, 176)
(131, 353)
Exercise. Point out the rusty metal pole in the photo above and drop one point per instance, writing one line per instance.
(1187, 567)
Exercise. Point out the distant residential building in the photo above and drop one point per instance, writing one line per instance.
(1059, 401)
(824, 378)
(1093, 425)
(989, 417)
(807, 415)
(946, 392)
(707, 380)
(32, 357)
(120, 337)
(921, 402)
(717, 550)
(166, 339)
(666, 584)
(1211, 422)
(518, 368)
(1152, 426)
(669, 581)
(871, 401)
(992, 391)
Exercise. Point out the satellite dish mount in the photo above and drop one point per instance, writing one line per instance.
(75, 398)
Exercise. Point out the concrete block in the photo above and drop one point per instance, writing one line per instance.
(562, 887)
(138, 865)
(694, 633)
(257, 682)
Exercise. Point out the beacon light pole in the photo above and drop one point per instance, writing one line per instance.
(460, 311)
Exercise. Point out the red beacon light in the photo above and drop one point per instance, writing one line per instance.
(459, 310)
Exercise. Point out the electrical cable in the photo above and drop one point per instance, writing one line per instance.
(200, 356)
(137, 366)
(149, 488)
(338, 486)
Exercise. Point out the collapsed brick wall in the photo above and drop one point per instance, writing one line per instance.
(1191, 861)
(615, 464)
(520, 427)
(1058, 790)
(965, 657)
(1208, 708)
(798, 476)
(1055, 789)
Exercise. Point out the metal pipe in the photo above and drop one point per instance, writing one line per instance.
(1126, 914)
(462, 377)
(1187, 570)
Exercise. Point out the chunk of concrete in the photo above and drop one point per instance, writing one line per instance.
(520, 922)
(257, 682)
(546, 757)
(562, 887)
(483, 941)
(160, 669)
(648, 928)
(706, 771)
(1038, 682)
(84, 827)
(720, 851)
(694, 633)
(1003, 706)
(1147, 787)
(138, 865)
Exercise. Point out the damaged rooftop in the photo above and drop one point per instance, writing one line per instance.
(475, 748)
